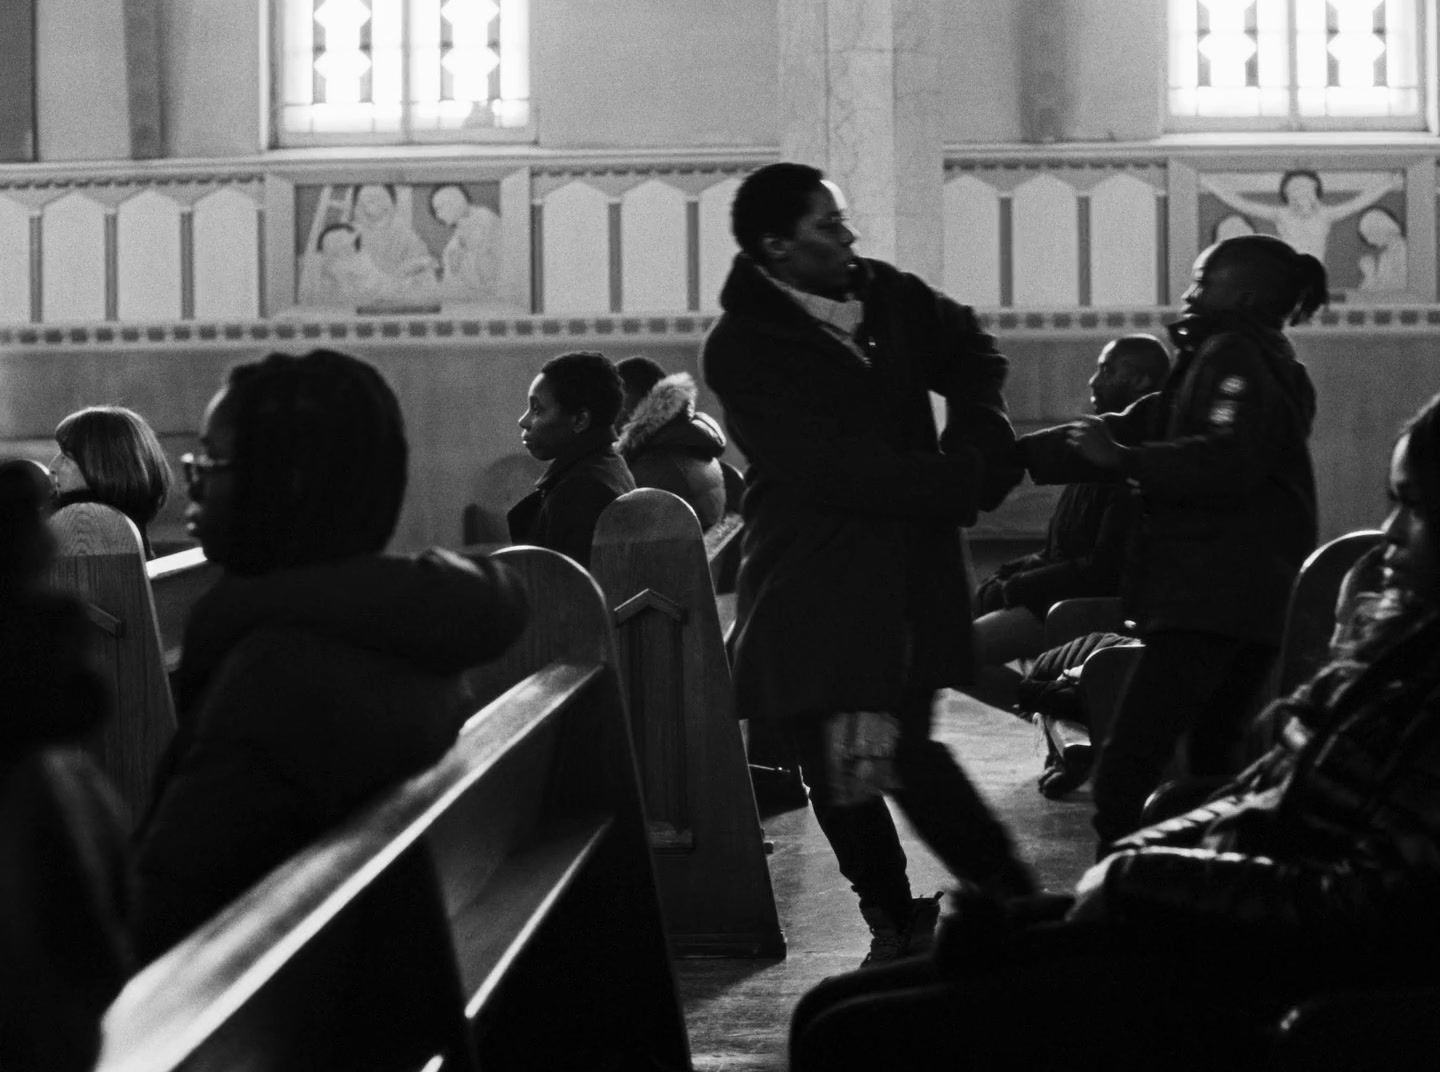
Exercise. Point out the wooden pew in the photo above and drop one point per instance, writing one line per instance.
(650, 559)
(176, 582)
(99, 557)
(498, 910)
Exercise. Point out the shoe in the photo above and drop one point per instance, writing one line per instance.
(890, 940)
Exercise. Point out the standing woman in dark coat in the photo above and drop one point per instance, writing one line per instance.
(110, 455)
(852, 595)
(1222, 460)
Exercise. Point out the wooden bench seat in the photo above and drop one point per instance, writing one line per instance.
(481, 913)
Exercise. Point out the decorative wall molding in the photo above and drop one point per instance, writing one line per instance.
(596, 330)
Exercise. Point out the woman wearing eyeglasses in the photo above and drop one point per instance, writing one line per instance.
(110, 455)
(317, 671)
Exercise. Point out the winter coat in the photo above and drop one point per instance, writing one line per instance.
(64, 876)
(669, 446)
(1333, 837)
(1223, 466)
(1087, 550)
(562, 510)
(301, 694)
(852, 583)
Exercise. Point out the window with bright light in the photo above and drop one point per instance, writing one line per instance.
(1296, 64)
(375, 71)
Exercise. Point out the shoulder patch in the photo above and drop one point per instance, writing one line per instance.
(1232, 385)
(1222, 413)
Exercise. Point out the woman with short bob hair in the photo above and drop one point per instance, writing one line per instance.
(110, 455)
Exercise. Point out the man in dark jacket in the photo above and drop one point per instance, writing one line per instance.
(1090, 533)
(569, 422)
(852, 598)
(667, 443)
(1222, 462)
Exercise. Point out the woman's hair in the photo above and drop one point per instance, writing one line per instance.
(120, 458)
(1287, 286)
(772, 200)
(1422, 451)
(320, 461)
(585, 379)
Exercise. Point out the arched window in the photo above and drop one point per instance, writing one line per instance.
(354, 72)
(1296, 64)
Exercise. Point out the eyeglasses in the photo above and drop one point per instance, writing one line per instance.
(198, 466)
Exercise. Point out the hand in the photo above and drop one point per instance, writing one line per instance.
(1089, 437)
(1090, 894)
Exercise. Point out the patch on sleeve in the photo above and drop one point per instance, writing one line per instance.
(1222, 414)
(1232, 386)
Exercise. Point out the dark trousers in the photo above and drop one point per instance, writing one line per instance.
(1185, 682)
(1065, 996)
(937, 798)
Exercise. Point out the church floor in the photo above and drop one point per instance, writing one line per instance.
(738, 1011)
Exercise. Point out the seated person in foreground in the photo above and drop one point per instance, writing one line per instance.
(64, 880)
(666, 443)
(1315, 869)
(569, 421)
(1090, 532)
(317, 672)
(110, 455)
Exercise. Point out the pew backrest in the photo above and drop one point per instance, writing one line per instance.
(1310, 619)
(654, 567)
(435, 927)
(100, 558)
(177, 581)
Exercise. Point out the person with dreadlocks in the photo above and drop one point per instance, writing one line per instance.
(1222, 463)
(317, 671)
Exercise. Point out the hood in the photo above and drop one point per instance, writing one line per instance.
(666, 416)
(436, 611)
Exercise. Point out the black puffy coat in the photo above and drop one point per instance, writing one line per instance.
(1227, 489)
(852, 582)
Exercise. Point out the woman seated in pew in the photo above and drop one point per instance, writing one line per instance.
(666, 442)
(1316, 869)
(569, 421)
(317, 671)
(64, 881)
(110, 455)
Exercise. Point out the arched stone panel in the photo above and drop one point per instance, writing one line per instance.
(1123, 237)
(576, 254)
(1047, 244)
(717, 244)
(227, 257)
(14, 262)
(147, 278)
(72, 274)
(972, 241)
(653, 251)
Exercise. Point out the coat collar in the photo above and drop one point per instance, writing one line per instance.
(599, 443)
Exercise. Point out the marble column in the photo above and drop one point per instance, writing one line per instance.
(859, 98)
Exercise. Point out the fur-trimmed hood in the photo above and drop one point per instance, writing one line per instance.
(666, 417)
